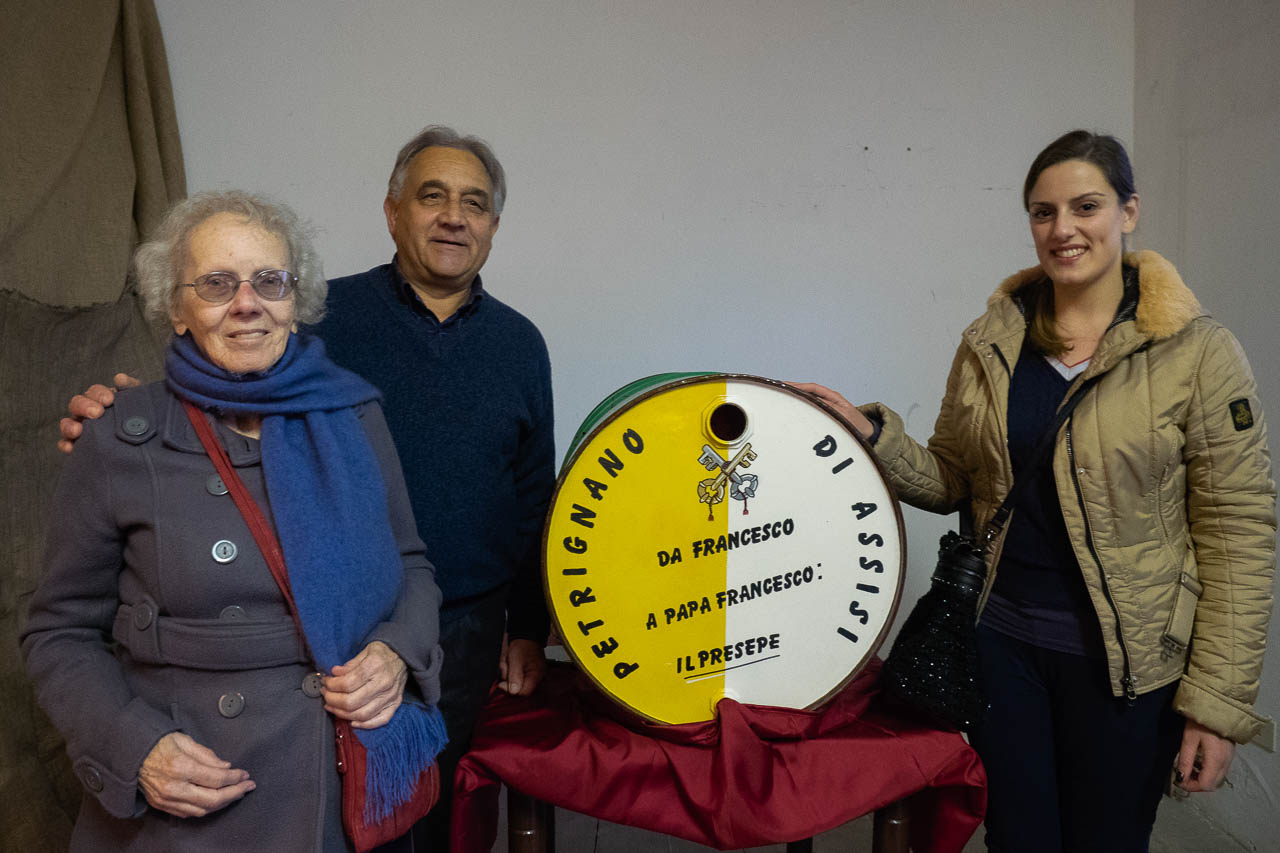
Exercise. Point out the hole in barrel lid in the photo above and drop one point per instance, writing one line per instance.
(728, 422)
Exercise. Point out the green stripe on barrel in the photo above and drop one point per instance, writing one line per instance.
(617, 400)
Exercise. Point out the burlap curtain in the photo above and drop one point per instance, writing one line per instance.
(90, 159)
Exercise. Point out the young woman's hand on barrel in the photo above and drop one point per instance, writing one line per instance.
(843, 407)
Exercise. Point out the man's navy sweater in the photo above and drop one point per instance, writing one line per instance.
(468, 402)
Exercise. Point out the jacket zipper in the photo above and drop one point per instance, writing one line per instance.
(1008, 375)
(1164, 528)
(1127, 682)
(988, 545)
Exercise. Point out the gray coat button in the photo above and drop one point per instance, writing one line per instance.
(224, 551)
(135, 425)
(142, 616)
(233, 611)
(215, 486)
(230, 705)
(92, 779)
(311, 685)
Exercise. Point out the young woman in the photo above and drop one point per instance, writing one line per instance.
(1127, 601)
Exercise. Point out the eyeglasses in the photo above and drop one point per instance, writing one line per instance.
(219, 287)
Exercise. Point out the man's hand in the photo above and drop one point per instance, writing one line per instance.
(368, 688)
(88, 406)
(836, 401)
(183, 778)
(1203, 759)
(521, 667)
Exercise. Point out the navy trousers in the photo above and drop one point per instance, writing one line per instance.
(1069, 766)
(471, 636)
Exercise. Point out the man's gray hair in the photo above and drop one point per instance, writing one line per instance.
(439, 136)
(158, 263)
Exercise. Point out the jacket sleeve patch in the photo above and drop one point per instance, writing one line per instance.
(1241, 414)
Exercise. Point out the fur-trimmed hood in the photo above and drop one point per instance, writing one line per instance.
(1165, 304)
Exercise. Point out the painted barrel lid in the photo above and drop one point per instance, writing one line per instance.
(718, 535)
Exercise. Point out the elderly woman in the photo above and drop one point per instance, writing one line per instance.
(160, 644)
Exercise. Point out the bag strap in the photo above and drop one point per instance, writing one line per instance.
(1020, 486)
(272, 553)
(258, 526)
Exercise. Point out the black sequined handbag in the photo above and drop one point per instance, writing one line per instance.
(933, 667)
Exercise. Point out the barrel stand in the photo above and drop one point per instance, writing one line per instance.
(531, 827)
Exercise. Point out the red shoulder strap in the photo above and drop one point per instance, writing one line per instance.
(258, 526)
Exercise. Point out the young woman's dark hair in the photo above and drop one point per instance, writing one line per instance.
(1108, 154)
(1105, 152)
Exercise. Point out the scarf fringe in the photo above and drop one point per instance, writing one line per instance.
(397, 754)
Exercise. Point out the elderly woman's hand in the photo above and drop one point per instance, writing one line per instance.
(185, 779)
(368, 688)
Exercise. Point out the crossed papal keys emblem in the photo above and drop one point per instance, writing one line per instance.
(740, 485)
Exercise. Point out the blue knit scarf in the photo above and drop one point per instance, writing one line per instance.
(330, 508)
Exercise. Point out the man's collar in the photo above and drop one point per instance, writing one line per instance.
(410, 297)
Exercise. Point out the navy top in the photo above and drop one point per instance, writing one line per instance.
(1037, 543)
(468, 402)
(1039, 594)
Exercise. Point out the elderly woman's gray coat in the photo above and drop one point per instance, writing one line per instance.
(157, 613)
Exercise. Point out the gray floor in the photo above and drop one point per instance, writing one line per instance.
(1179, 829)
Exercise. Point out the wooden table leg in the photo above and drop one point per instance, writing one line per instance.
(890, 829)
(531, 826)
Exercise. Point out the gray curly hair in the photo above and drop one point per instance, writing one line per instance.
(157, 263)
(439, 136)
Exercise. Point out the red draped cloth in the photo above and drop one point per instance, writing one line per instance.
(756, 775)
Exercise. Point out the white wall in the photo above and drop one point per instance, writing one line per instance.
(805, 190)
(801, 190)
(1207, 125)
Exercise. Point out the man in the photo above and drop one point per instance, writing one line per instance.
(467, 385)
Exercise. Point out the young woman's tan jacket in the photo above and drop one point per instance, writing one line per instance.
(1164, 479)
